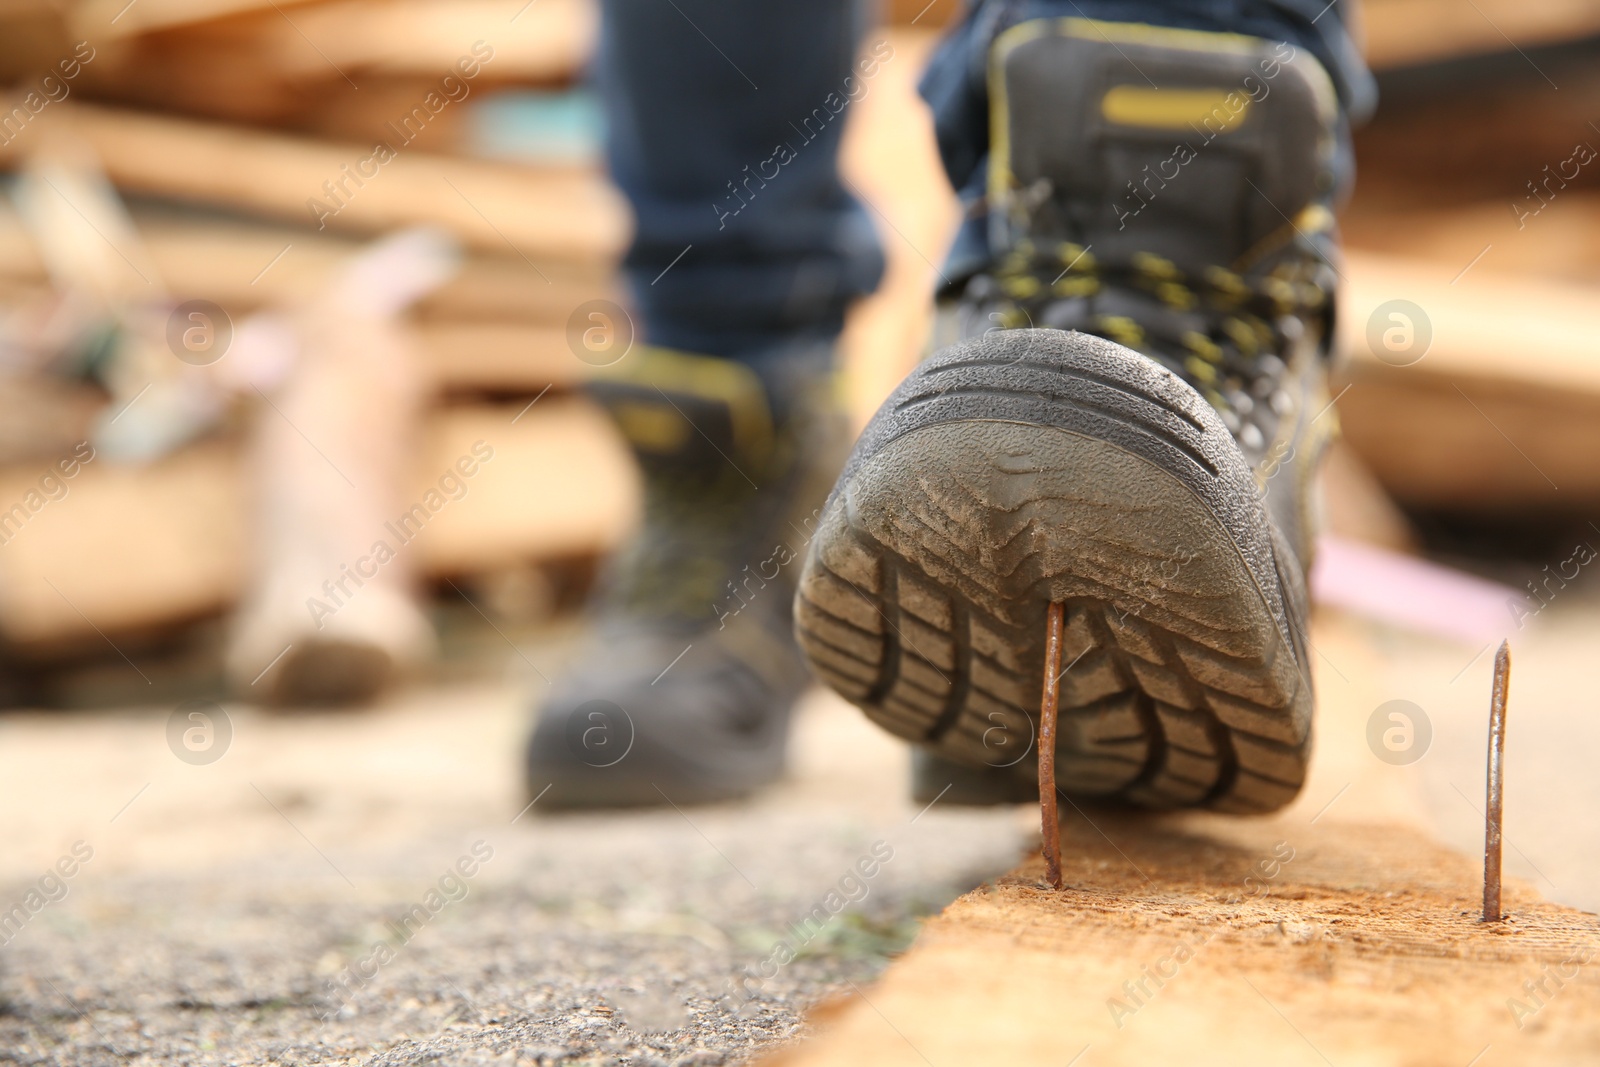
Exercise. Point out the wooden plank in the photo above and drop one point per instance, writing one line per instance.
(545, 212)
(1362, 948)
(1339, 931)
(133, 547)
(1505, 405)
(499, 357)
(924, 14)
(244, 267)
(562, 483)
(541, 41)
(1413, 154)
(1559, 240)
(117, 18)
(364, 117)
(1482, 449)
(1488, 326)
(326, 65)
(1355, 506)
(498, 326)
(126, 547)
(1413, 32)
(544, 41)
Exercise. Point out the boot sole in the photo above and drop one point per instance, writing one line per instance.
(1033, 466)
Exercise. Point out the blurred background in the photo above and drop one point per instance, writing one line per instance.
(186, 179)
(283, 280)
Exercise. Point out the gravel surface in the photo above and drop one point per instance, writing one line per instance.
(249, 911)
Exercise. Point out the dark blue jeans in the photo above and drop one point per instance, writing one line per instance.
(724, 118)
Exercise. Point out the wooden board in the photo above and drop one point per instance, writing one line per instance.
(1504, 408)
(498, 326)
(295, 67)
(109, 17)
(1337, 932)
(499, 357)
(1523, 115)
(547, 212)
(1560, 242)
(536, 40)
(133, 547)
(1362, 948)
(562, 483)
(1413, 32)
(926, 14)
(244, 267)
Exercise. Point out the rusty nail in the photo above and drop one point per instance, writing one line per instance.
(1049, 827)
(1497, 780)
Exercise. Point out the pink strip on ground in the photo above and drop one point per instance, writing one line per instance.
(1413, 593)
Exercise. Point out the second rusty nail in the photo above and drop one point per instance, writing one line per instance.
(1494, 818)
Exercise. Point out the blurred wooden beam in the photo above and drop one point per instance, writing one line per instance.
(244, 267)
(1413, 32)
(1504, 407)
(1480, 129)
(341, 65)
(498, 326)
(1561, 242)
(130, 547)
(562, 483)
(924, 14)
(547, 212)
(118, 18)
(1355, 505)
(538, 41)
(499, 357)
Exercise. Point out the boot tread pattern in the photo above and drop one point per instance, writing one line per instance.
(923, 597)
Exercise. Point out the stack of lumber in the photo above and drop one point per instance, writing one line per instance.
(339, 68)
(1503, 411)
(141, 546)
(546, 213)
(1478, 201)
(216, 121)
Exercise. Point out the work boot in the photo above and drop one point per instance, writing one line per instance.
(1127, 423)
(685, 691)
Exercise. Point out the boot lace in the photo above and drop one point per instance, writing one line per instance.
(1225, 333)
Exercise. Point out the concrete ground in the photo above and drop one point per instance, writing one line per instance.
(227, 913)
